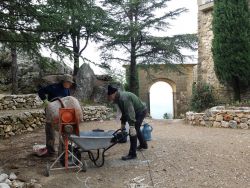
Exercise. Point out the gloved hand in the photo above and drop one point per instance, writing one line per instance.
(45, 103)
(132, 131)
(123, 126)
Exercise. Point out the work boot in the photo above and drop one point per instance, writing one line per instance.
(129, 157)
(50, 149)
(141, 147)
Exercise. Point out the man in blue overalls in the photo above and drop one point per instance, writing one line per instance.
(47, 94)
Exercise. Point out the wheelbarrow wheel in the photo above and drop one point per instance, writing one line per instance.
(47, 170)
(72, 160)
(84, 167)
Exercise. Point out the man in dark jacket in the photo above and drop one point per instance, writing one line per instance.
(133, 112)
(47, 94)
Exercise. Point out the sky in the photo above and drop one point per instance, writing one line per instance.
(185, 23)
(161, 100)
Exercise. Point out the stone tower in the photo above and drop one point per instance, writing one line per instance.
(205, 66)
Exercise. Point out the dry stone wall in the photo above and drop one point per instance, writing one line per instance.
(17, 123)
(23, 113)
(221, 116)
(13, 102)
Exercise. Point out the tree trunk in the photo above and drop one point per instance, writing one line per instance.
(75, 55)
(132, 77)
(133, 84)
(236, 88)
(14, 79)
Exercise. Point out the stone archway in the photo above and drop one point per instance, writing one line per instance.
(161, 99)
(180, 79)
(172, 85)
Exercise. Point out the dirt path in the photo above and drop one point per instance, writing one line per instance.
(178, 156)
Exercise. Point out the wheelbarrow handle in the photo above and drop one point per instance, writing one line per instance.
(116, 131)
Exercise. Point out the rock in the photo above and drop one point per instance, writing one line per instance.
(8, 128)
(30, 129)
(12, 134)
(227, 117)
(237, 119)
(225, 124)
(8, 182)
(240, 115)
(18, 184)
(243, 126)
(208, 124)
(85, 79)
(217, 124)
(233, 124)
(3, 177)
(36, 185)
(12, 176)
(219, 118)
(4, 185)
(243, 120)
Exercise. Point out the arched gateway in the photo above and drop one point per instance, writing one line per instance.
(180, 78)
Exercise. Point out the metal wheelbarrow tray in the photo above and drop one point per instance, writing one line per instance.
(89, 141)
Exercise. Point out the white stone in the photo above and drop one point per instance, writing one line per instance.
(240, 115)
(8, 128)
(3, 177)
(248, 122)
(243, 120)
(12, 176)
(225, 124)
(216, 124)
(30, 129)
(243, 126)
(4, 185)
(8, 182)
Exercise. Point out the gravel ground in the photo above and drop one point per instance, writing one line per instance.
(178, 156)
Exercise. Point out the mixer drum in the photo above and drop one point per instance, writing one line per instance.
(52, 110)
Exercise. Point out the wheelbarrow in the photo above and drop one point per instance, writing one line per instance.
(99, 141)
(89, 142)
(72, 142)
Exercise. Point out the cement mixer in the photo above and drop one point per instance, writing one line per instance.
(52, 110)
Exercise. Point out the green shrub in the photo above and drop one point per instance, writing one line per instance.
(166, 116)
(202, 97)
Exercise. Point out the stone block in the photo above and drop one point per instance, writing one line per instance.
(219, 118)
(233, 124)
(243, 125)
(217, 124)
(225, 124)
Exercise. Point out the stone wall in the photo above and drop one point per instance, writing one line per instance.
(23, 113)
(221, 116)
(205, 69)
(18, 123)
(93, 113)
(13, 102)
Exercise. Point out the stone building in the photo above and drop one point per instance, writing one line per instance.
(205, 67)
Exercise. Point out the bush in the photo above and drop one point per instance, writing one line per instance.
(166, 116)
(202, 97)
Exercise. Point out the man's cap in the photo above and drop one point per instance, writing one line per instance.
(111, 90)
(67, 78)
